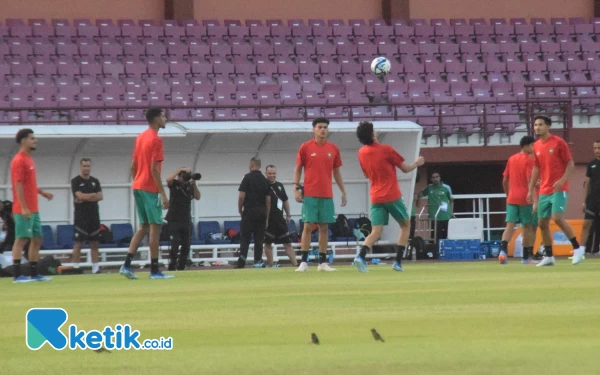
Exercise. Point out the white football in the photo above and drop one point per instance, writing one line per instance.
(381, 66)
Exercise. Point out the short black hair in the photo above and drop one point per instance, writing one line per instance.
(256, 161)
(527, 140)
(152, 114)
(84, 160)
(22, 134)
(319, 121)
(270, 166)
(435, 172)
(364, 132)
(546, 119)
(598, 141)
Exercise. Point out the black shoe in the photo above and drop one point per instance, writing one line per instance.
(239, 265)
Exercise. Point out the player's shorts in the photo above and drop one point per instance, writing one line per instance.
(380, 212)
(592, 210)
(555, 203)
(520, 214)
(318, 210)
(86, 230)
(28, 228)
(148, 206)
(277, 231)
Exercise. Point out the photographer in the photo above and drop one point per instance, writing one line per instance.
(8, 226)
(182, 189)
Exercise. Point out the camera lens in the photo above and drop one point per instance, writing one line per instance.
(196, 176)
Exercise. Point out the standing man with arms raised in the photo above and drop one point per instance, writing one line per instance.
(553, 164)
(515, 182)
(87, 192)
(378, 163)
(320, 160)
(148, 191)
(25, 210)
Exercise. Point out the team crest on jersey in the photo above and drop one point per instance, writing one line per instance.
(93, 184)
(551, 150)
(329, 154)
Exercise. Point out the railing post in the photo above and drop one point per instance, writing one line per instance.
(485, 126)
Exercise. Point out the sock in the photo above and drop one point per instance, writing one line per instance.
(128, 260)
(363, 252)
(305, 256)
(399, 252)
(574, 243)
(154, 265)
(95, 267)
(33, 268)
(322, 258)
(504, 246)
(76, 265)
(17, 267)
(548, 251)
(527, 252)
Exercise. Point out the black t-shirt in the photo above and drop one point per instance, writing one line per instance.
(256, 187)
(593, 173)
(278, 196)
(180, 201)
(85, 210)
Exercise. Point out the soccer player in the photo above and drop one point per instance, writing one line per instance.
(25, 210)
(591, 206)
(319, 159)
(515, 182)
(553, 164)
(87, 192)
(278, 231)
(148, 192)
(378, 163)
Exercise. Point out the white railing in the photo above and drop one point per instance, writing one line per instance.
(479, 208)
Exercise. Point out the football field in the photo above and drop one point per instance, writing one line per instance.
(435, 318)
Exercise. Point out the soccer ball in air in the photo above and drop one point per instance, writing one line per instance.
(381, 66)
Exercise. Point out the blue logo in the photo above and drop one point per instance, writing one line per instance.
(42, 325)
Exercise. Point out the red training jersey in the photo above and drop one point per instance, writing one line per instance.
(318, 162)
(379, 163)
(22, 169)
(551, 157)
(148, 149)
(518, 172)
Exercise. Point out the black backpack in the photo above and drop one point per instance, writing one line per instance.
(341, 229)
(364, 225)
(105, 235)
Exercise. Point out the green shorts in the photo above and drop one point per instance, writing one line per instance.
(555, 203)
(148, 206)
(520, 214)
(28, 228)
(318, 210)
(380, 212)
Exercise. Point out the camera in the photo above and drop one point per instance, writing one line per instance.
(185, 176)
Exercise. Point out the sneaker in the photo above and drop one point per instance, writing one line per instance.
(325, 267)
(40, 278)
(360, 263)
(22, 279)
(578, 255)
(303, 267)
(502, 258)
(160, 275)
(259, 265)
(128, 273)
(547, 261)
(397, 266)
(528, 261)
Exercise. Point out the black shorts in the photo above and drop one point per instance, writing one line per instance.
(592, 210)
(277, 231)
(88, 230)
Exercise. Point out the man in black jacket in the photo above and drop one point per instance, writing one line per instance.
(254, 204)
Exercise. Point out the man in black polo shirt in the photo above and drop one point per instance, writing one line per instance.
(254, 204)
(277, 231)
(87, 192)
(591, 207)
(182, 189)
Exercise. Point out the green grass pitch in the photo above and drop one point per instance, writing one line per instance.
(436, 318)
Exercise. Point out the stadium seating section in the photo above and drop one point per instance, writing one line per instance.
(276, 70)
